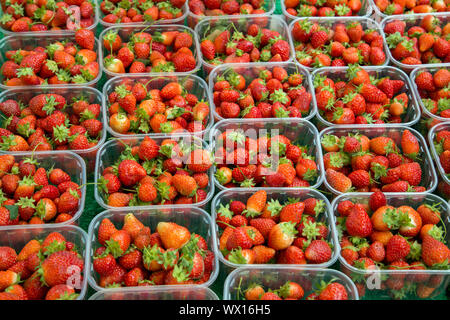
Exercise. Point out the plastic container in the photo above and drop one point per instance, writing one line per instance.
(179, 20)
(366, 11)
(194, 293)
(377, 279)
(425, 112)
(250, 71)
(50, 32)
(281, 194)
(195, 219)
(298, 130)
(276, 276)
(331, 22)
(17, 238)
(410, 20)
(27, 41)
(109, 153)
(431, 135)
(125, 31)
(268, 5)
(412, 113)
(380, 15)
(92, 96)
(273, 22)
(192, 83)
(429, 177)
(69, 162)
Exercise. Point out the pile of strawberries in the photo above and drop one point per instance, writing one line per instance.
(323, 8)
(266, 162)
(31, 194)
(433, 90)
(442, 146)
(343, 44)
(261, 231)
(50, 122)
(361, 98)
(168, 51)
(357, 163)
(255, 43)
(155, 174)
(60, 62)
(267, 94)
(296, 291)
(41, 271)
(140, 11)
(133, 108)
(35, 16)
(226, 7)
(394, 238)
(389, 7)
(426, 42)
(134, 256)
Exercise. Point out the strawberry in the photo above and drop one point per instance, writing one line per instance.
(292, 212)
(410, 144)
(263, 254)
(282, 235)
(130, 172)
(8, 257)
(333, 291)
(318, 252)
(338, 180)
(185, 185)
(397, 248)
(173, 235)
(256, 203)
(358, 222)
(434, 252)
(53, 270)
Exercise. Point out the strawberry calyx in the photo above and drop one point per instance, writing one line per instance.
(415, 251)
(114, 248)
(235, 256)
(25, 202)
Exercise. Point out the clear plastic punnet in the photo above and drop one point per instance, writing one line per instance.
(366, 10)
(425, 112)
(59, 31)
(276, 276)
(109, 154)
(429, 177)
(268, 6)
(69, 162)
(399, 284)
(179, 20)
(195, 220)
(281, 194)
(192, 83)
(411, 115)
(17, 238)
(410, 20)
(29, 41)
(125, 31)
(299, 131)
(273, 22)
(251, 71)
(91, 95)
(146, 293)
(331, 22)
(380, 15)
(444, 180)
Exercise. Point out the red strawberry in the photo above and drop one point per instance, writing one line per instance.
(318, 252)
(397, 248)
(358, 222)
